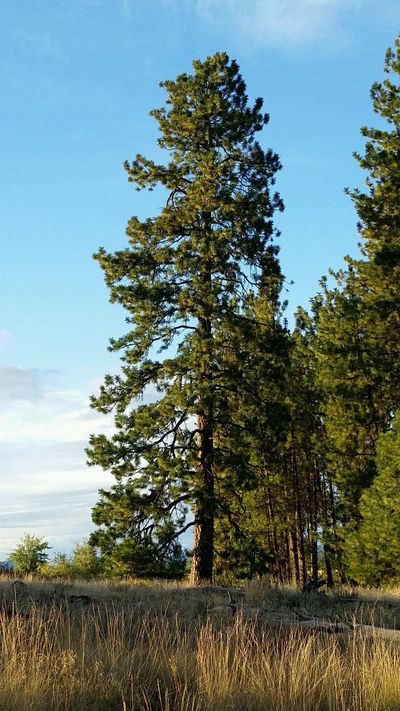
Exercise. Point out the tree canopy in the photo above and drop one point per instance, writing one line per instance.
(187, 280)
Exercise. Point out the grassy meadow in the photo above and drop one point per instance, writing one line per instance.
(163, 646)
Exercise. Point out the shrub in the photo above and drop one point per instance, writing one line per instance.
(30, 554)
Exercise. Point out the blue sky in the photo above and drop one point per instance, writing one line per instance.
(78, 78)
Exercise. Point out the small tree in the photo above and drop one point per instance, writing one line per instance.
(85, 563)
(30, 554)
(59, 567)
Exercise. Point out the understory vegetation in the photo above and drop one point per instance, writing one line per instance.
(152, 646)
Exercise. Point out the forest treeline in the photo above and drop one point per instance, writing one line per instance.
(279, 448)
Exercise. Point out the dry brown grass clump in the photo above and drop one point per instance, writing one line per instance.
(149, 647)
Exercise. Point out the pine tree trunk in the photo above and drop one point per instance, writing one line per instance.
(324, 494)
(286, 563)
(314, 556)
(314, 525)
(299, 517)
(328, 570)
(295, 558)
(277, 546)
(203, 551)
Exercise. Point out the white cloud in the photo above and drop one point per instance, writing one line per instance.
(274, 22)
(62, 519)
(46, 487)
(18, 384)
(59, 416)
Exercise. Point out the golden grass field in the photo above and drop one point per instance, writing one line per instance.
(173, 648)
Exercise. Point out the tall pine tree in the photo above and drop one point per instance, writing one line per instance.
(249, 536)
(185, 279)
(372, 552)
(379, 211)
(358, 323)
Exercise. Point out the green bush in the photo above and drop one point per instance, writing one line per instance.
(30, 554)
(82, 564)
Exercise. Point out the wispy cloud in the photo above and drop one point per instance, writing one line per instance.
(273, 22)
(45, 486)
(18, 384)
(60, 517)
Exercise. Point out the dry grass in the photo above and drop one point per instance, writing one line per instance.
(153, 647)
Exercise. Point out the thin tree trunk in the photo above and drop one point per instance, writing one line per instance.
(328, 570)
(338, 553)
(314, 525)
(287, 567)
(299, 516)
(314, 555)
(279, 564)
(295, 555)
(326, 527)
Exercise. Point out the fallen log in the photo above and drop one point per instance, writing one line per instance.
(287, 620)
(378, 632)
(317, 624)
(321, 625)
(217, 589)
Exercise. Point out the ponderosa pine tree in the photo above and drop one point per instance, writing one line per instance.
(379, 211)
(250, 532)
(303, 455)
(349, 376)
(284, 521)
(184, 280)
(358, 330)
(372, 552)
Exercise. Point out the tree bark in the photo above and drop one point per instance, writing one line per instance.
(295, 558)
(328, 570)
(203, 551)
(314, 525)
(299, 516)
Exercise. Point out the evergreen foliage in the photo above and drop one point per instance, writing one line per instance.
(357, 321)
(278, 449)
(373, 551)
(188, 280)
